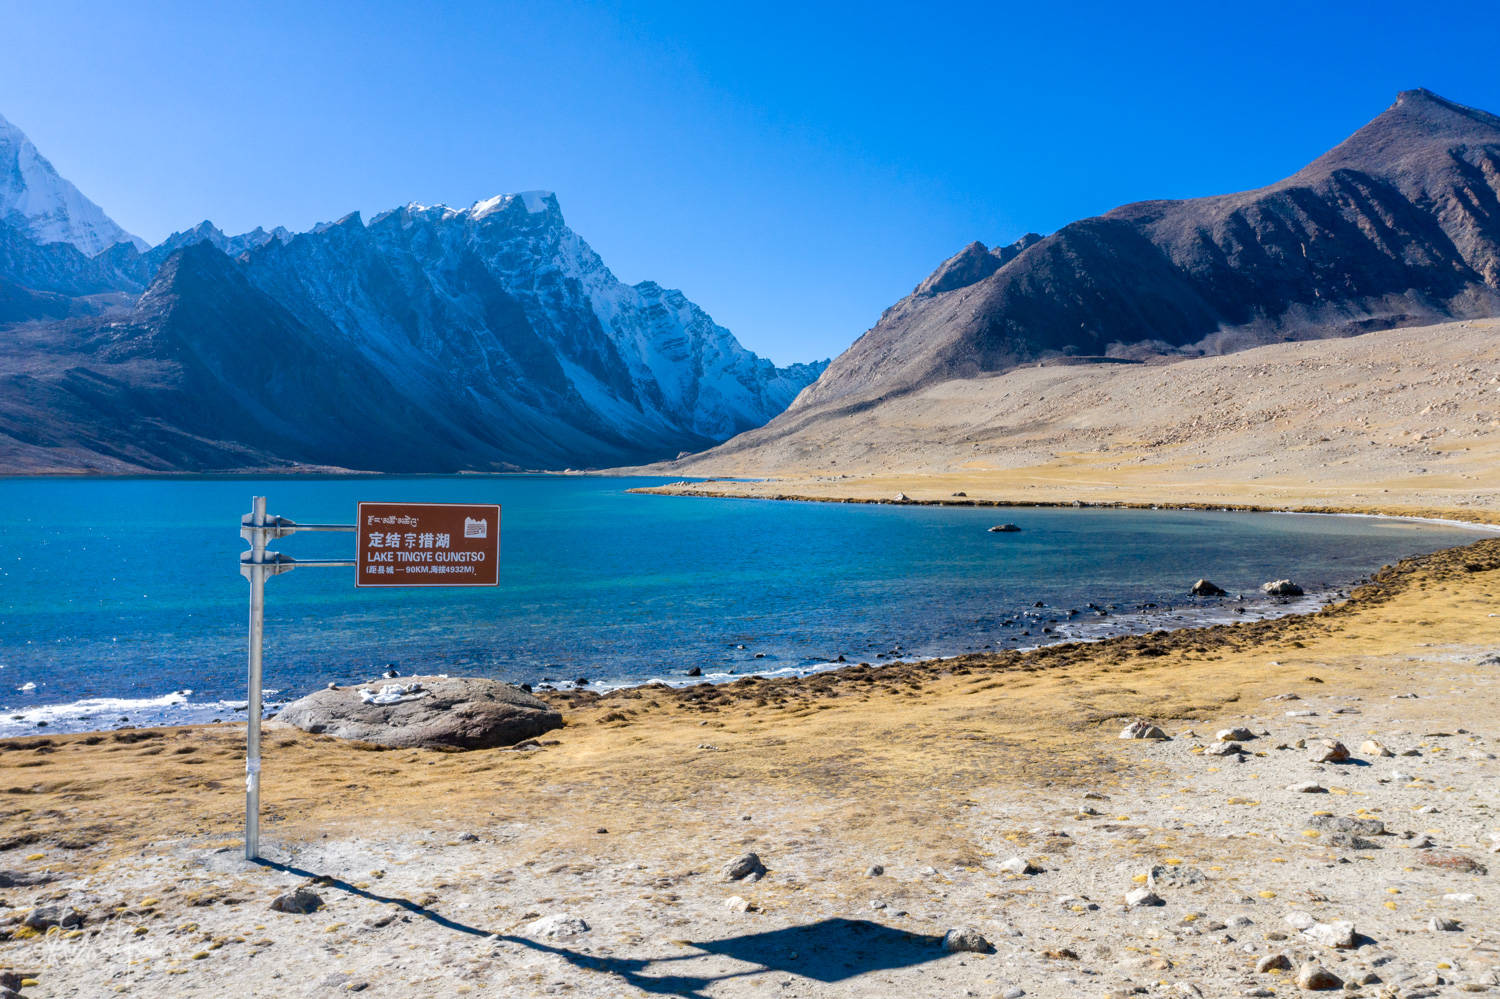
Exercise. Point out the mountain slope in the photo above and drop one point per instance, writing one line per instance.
(1398, 225)
(429, 340)
(34, 199)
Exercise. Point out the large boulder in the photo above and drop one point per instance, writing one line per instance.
(461, 712)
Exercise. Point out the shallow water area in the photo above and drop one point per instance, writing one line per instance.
(121, 600)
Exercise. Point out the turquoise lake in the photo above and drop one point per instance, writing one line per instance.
(121, 600)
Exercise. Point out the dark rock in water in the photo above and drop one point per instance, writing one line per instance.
(582, 681)
(695, 671)
(1204, 588)
(461, 712)
(298, 903)
(1004, 529)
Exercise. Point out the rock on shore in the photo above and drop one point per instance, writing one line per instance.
(460, 712)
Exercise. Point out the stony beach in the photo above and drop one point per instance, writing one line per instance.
(974, 826)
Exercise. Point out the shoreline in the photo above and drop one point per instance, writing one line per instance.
(1138, 623)
(1480, 519)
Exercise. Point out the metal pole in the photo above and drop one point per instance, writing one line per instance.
(257, 576)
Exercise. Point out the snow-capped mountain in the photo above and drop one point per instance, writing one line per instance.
(34, 199)
(506, 295)
(431, 339)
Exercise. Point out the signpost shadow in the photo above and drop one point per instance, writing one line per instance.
(827, 951)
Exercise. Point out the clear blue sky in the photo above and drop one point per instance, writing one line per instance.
(794, 170)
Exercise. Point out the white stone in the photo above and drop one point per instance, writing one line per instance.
(1339, 934)
(1017, 865)
(559, 924)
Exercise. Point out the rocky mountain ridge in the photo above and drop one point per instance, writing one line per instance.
(429, 339)
(1397, 226)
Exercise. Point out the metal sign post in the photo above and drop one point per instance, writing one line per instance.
(432, 544)
(256, 565)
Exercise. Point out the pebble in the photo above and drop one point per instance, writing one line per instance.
(1371, 747)
(1339, 935)
(299, 902)
(1328, 751)
(558, 924)
(1142, 896)
(1346, 824)
(964, 939)
(735, 903)
(1438, 924)
(1224, 749)
(48, 916)
(874, 871)
(746, 865)
(1174, 876)
(1140, 729)
(1314, 977)
(1234, 735)
(1273, 962)
(1019, 865)
(1307, 787)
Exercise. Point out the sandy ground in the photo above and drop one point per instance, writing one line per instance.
(1401, 420)
(939, 773)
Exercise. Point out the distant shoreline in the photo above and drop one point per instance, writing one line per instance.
(1482, 521)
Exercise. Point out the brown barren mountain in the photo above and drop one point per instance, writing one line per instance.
(1398, 226)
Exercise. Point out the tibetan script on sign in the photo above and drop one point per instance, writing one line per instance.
(428, 544)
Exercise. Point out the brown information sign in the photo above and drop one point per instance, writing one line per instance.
(428, 544)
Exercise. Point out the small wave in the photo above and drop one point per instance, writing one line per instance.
(97, 713)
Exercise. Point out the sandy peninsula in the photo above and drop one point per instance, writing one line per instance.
(1403, 421)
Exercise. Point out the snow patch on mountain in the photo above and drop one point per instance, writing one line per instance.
(36, 200)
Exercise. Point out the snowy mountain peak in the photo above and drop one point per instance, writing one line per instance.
(36, 200)
(535, 203)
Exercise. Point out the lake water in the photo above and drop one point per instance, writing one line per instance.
(121, 598)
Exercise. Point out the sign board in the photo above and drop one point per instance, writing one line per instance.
(427, 544)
